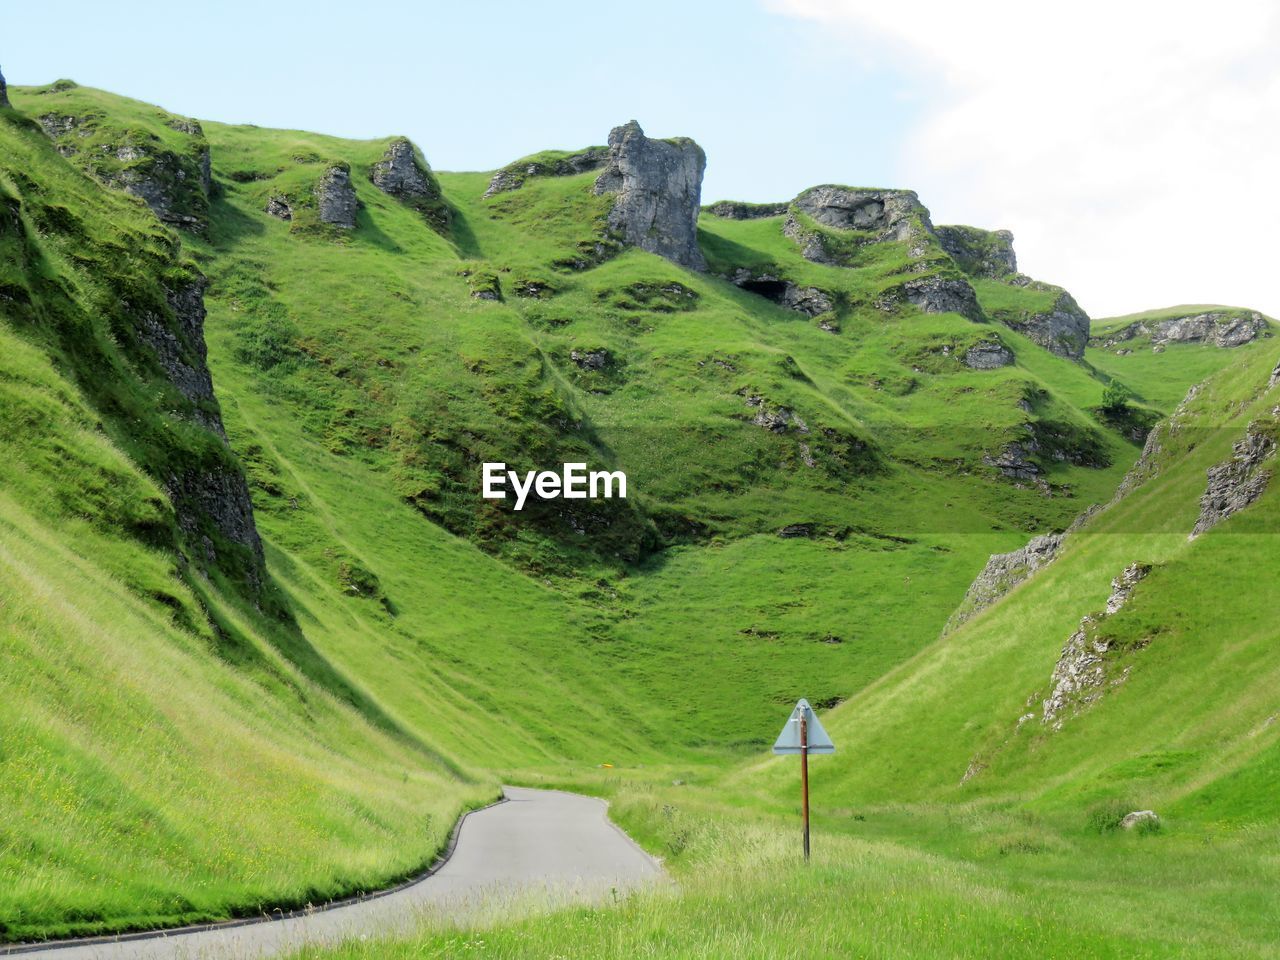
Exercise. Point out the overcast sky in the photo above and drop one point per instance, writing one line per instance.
(1130, 146)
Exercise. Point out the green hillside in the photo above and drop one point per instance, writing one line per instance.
(825, 433)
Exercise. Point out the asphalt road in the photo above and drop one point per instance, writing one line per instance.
(541, 845)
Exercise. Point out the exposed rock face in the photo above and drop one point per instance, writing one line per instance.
(737, 210)
(336, 198)
(400, 175)
(979, 253)
(513, 176)
(775, 419)
(278, 206)
(183, 354)
(4, 92)
(1014, 461)
(889, 213)
(943, 295)
(658, 188)
(1240, 480)
(988, 355)
(1080, 675)
(175, 185)
(1063, 330)
(597, 359)
(215, 492)
(1218, 328)
(1003, 572)
(1275, 377)
(808, 300)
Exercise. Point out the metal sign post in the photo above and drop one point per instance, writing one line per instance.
(803, 734)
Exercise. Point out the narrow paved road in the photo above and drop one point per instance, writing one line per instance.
(542, 844)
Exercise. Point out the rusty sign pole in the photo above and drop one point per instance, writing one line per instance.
(804, 779)
(803, 734)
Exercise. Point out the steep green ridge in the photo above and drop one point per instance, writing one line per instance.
(944, 827)
(812, 489)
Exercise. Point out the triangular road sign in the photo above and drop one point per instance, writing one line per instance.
(789, 739)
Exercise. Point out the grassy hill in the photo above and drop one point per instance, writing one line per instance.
(814, 483)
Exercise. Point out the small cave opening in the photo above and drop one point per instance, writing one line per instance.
(775, 290)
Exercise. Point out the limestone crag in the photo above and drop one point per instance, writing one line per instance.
(1063, 329)
(212, 496)
(1014, 460)
(943, 295)
(1241, 479)
(657, 188)
(1222, 329)
(812, 301)
(278, 206)
(988, 355)
(1275, 377)
(979, 253)
(399, 174)
(336, 198)
(596, 359)
(174, 184)
(1003, 572)
(890, 214)
(1081, 676)
(513, 176)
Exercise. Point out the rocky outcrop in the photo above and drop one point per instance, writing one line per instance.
(400, 174)
(943, 295)
(278, 206)
(1275, 377)
(657, 188)
(979, 253)
(807, 300)
(1063, 329)
(182, 353)
(336, 198)
(212, 494)
(988, 355)
(596, 360)
(1003, 572)
(775, 419)
(889, 214)
(513, 176)
(1014, 460)
(1219, 328)
(4, 92)
(737, 210)
(1080, 676)
(1239, 480)
(174, 184)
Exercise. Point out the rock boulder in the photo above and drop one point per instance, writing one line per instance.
(988, 355)
(1219, 328)
(402, 175)
(1240, 479)
(336, 198)
(657, 188)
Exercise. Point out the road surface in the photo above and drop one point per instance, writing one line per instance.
(542, 845)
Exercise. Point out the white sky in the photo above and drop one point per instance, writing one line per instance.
(1131, 147)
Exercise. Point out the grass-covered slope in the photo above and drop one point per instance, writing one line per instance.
(919, 851)
(810, 494)
(1183, 722)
